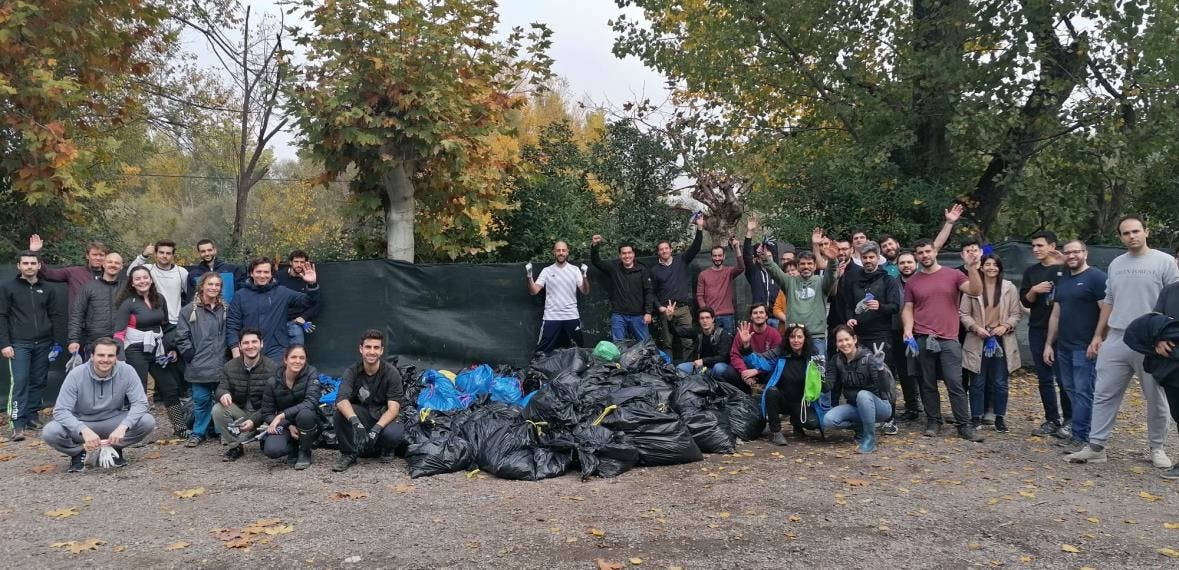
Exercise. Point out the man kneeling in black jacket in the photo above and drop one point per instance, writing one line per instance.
(711, 345)
(368, 403)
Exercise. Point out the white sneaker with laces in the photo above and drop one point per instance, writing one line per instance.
(1159, 459)
(1087, 455)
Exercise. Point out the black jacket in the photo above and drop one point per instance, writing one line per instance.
(93, 313)
(761, 285)
(846, 378)
(672, 282)
(1144, 333)
(886, 289)
(713, 348)
(28, 312)
(631, 292)
(304, 395)
(246, 387)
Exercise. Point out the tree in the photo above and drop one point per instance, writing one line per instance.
(411, 94)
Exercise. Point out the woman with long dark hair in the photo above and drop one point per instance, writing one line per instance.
(290, 408)
(141, 324)
(863, 382)
(785, 396)
(991, 350)
(200, 339)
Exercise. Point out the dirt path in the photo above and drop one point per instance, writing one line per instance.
(917, 502)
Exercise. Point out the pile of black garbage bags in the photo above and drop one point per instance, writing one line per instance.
(580, 413)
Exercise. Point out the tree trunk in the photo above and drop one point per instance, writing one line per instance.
(242, 189)
(400, 210)
(937, 54)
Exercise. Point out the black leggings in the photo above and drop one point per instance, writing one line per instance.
(276, 445)
(167, 378)
(1172, 391)
(779, 402)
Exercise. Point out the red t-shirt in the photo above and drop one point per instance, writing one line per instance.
(935, 302)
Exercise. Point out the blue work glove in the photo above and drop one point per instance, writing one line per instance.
(992, 348)
(54, 352)
(163, 360)
(308, 327)
(862, 306)
(911, 348)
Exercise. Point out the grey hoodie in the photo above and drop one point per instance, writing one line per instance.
(84, 397)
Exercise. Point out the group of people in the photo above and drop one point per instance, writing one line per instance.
(229, 338)
(868, 315)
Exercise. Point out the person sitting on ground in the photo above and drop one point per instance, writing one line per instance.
(239, 396)
(367, 405)
(992, 315)
(290, 408)
(90, 408)
(756, 335)
(785, 397)
(865, 384)
(710, 345)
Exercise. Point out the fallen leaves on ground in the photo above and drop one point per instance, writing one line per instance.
(190, 493)
(855, 482)
(636, 560)
(574, 498)
(179, 545)
(1171, 526)
(402, 488)
(62, 513)
(350, 495)
(42, 469)
(258, 531)
(597, 532)
(79, 546)
(1149, 497)
(6, 456)
(1069, 548)
(1169, 552)
(604, 564)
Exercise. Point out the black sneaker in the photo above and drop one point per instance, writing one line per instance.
(909, 416)
(343, 463)
(233, 454)
(77, 463)
(1001, 424)
(933, 428)
(119, 460)
(966, 432)
(18, 434)
(1172, 473)
(1047, 428)
(976, 422)
(778, 438)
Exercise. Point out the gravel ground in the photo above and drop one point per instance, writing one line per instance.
(917, 502)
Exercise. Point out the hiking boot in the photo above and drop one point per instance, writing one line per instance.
(778, 438)
(966, 432)
(1088, 454)
(1047, 428)
(233, 454)
(343, 463)
(889, 428)
(976, 422)
(77, 463)
(1000, 424)
(1159, 459)
(119, 460)
(909, 416)
(933, 428)
(1172, 473)
(867, 440)
(18, 434)
(1070, 446)
(1063, 432)
(306, 442)
(292, 453)
(193, 440)
(989, 419)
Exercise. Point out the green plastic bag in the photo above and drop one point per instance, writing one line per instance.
(607, 351)
(813, 385)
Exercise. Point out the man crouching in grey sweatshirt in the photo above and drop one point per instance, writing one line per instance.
(89, 408)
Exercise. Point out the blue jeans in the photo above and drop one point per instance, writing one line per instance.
(686, 367)
(620, 324)
(820, 344)
(1079, 375)
(864, 412)
(1047, 377)
(991, 380)
(295, 333)
(722, 372)
(727, 322)
(202, 407)
(30, 370)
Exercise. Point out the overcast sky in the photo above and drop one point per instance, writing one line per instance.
(581, 49)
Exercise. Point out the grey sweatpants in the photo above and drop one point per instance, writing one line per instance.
(70, 444)
(1116, 363)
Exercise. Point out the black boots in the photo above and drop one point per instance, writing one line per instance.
(176, 418)
(306, 444)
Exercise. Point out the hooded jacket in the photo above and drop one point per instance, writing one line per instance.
(761, 285)
(200, 339)
(92, 316)
(265, 308)
(1144, 333)
(846, 378)
(631, 292)
(1011, 311)
(28, 312)
(711, 348)
(304, 395)
(246, 387)
(84, 397)
(886, 289)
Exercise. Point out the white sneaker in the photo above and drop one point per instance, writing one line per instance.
(1159, 459)
(1087, 455)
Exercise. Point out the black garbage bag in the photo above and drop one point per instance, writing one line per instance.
(660, 437)
(603, 452)
(652, 381)
(745, 419)
(640, 356)
(435, 444)
(512, 450)
(701, 405)
(553, 404)
(560, 360)
(594, 392)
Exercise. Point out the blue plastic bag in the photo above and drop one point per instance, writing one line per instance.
(506, 389)
(758, 362)
(439, 394)
(329, 389)
(475, 381)
(525, 399)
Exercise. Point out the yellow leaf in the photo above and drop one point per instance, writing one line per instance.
(1027, 494)
(795, 518)
(725, 515)
(597, 532)
(577, 498)
(178, 545)
(349, 495)
(190, 493)
(1138, 469)
(636, 561)
(1171, 526)
(79, 546)
(1093, 520)
(1069, 548)
(279, 529)
(402, 488)
(1025, 559)
(1149, 497)
(62, 513)
(1169, 552)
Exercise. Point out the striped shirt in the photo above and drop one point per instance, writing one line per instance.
(560, 286)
